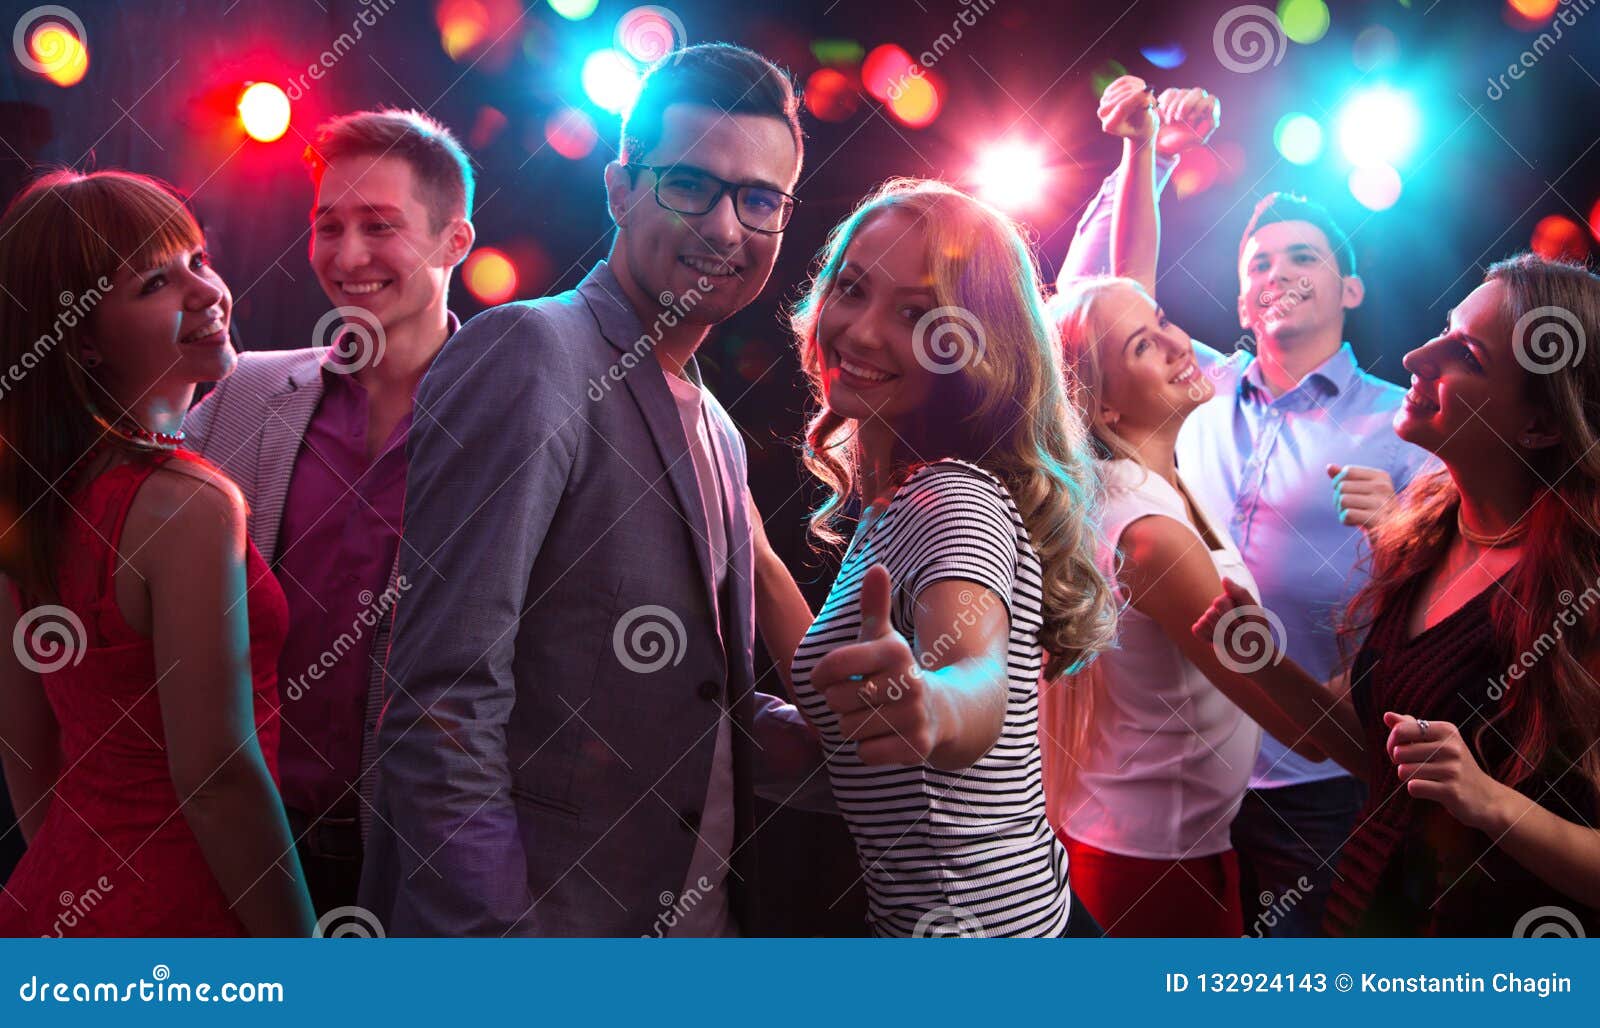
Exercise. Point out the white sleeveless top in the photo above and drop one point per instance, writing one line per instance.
(1170, 756)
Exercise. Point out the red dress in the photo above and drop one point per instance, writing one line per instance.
(115, 855)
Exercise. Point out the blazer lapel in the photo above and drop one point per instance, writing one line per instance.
(287, 415)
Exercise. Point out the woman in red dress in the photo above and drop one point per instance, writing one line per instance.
(138, 721)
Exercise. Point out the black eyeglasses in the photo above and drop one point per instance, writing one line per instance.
(685, 189)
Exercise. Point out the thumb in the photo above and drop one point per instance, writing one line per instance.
(1238, 593)
(1390, 718)
(1333, 470)
(875, 604)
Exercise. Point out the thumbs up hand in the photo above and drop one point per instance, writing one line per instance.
(876, 687)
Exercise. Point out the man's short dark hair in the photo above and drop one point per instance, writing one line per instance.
(1276, 207)
(439, 167)
(730, 78)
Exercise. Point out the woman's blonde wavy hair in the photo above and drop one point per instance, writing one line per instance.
(1003, 409)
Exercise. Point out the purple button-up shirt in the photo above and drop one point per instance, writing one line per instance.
(339, 535)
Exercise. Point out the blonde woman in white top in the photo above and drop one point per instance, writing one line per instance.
(1149, 752)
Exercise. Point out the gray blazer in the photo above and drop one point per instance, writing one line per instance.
(251, 426)
(558, 666)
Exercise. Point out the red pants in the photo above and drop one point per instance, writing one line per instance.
(1133, 897)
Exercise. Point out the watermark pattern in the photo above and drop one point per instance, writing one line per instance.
(354, 334)
(1566, 18)
(1548, 923)
(648, 638)
(349, 923)
(650, 33)
(948, 922)
(1572, 608)
(948, 339)
(373, 610)
(965, 19)
(74, 309)
(1547, 339)
(366, 18)
(1248, 38)
(1278, 308)
(75, 908)
(673, 310)
(1249, 638)
(677, 906)
(48, 638)
(158, 988)
(51, 51)
(1275, 908)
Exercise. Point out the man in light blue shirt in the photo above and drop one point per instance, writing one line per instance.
(1295, 451)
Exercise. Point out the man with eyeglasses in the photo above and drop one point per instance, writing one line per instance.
(572, 736)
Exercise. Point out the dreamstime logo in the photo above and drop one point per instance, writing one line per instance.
(1248, 638)
(373, 610)
(1279, 306)
(364, 19)
(964, 19)
(74, 908)
(48, 638)
(947, 922)
(354, 334)
(673, 310)
(676, 907)
(1547, 339)
(50, 50)
(1274, 907)
(650, 33)
(1203, 386)
(948, 339)
(349, 923)
(648, 638)
(1573, 609)
(1548, 923)
(1571, 10)
(74, 310)
(1249, 38)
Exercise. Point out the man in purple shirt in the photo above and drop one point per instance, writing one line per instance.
(316, 438)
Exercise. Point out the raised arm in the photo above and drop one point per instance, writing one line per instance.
(782, 613)
(489, 453)
(187, 530)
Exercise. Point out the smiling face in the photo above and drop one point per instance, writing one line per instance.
(659, 252)
(1290, 286)
(1470, 396)
(866, 328)
(1150, 380)
(160, 326)
(372, 245)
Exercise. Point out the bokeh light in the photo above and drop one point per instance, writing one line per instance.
(1298, 138)
(1375, 47)
(1196, 172)
(1379, 126)
(884, 67)
(1594, 220)
(1557, 237)
(1166, 56)
(610, 80)
(1104, 75)
(649, 33)
(1534, 10)
(264, 111)
(571, 133)
(1304, 21)
(463, 26)
(574, 10)
(831, 95)
(916, 100)
(490, 276)
(1011, 175)
(1375, 186)
(63, 55)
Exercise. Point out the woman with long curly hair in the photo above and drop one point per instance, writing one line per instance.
(942, 420)
(138, 715)
(1472, 707)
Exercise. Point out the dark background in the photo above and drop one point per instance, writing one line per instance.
(164, 73)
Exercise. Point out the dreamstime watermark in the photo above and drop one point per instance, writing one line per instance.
(948, 922)
(965, 19)
(1275, 908)
(48, 638)
(354, 334)
(673, 310)
(1249, 38)
(366, 18)
(1542, 44)
(54, 52)
(1547, 339)
(677, 906)
(948, 339)
(74, 309)
(1572, 608)
(74, 908)
(373, 611)
(1249, 638)
(158, 988)
(649, 33)
(349, 923)
(1549, 923)
(648, 638)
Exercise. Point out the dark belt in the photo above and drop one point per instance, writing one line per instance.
(337, 838)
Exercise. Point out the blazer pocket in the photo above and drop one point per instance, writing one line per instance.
(546, 803)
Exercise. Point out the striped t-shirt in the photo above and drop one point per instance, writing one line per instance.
(947, 852)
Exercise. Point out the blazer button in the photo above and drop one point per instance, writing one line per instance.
(690, 819)
(709, 690)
